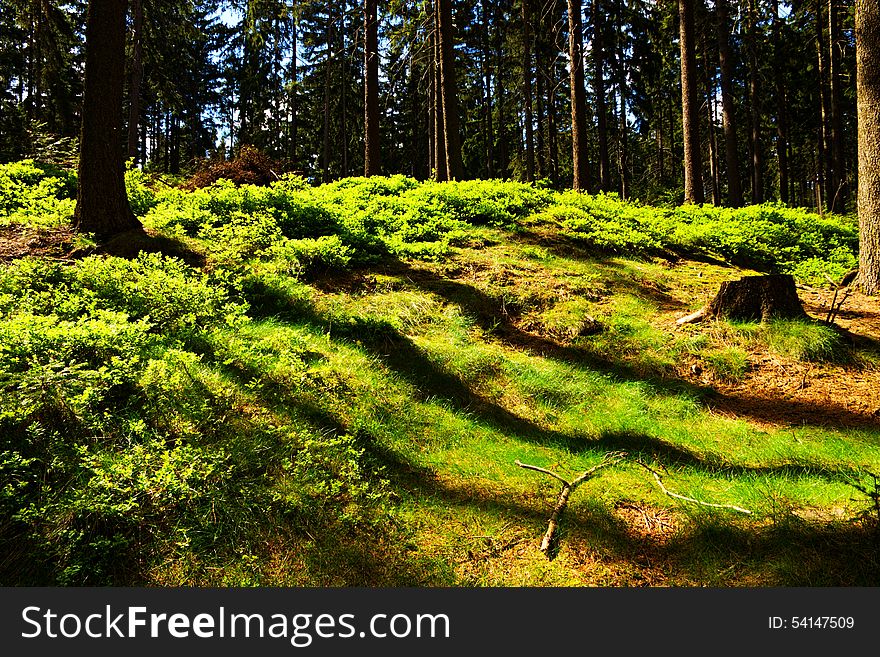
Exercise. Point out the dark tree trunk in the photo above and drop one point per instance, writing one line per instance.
(102, 204)
(837, 195)
(488, 110)
(781, 109)
(824, 167)
(710, 109)
(693, 176)
(440, 172)
(449, 91)
(325, 146)
(137, 71)
(293, 147)
(599, 88)
(757, 168)
(868, 102)
(580, 166)
(527, 91)
(731, 150)
(623, 128)
(372, 165)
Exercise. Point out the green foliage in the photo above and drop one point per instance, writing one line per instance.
(35, 193)
(729, 364)
(806, 341)
(140, 196)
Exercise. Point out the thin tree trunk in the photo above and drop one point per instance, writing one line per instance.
(781, 108)
(527, 91)
(294, 95)
(102, 204)
(488, 110)
(440, 172)
(868, 103)
(755, 106)
(541, 137)
(599, 88)
(837, 195)
(693, 179)
(325, 147)
(710, 107)
(728, 114)
(372, 165)
(623, 127)
(580, 165)
(824, 169)
(137, 71)
(449, 90)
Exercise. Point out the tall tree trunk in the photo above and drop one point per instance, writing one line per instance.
(728, 113)
(325, 146)
(449, 89)
(824, 169)
(440, 172)
(488, 110)
(541, 137)
(868, 102)
(837, 196)
(710, 109)
(343, 109)
(623, 127)
(781, 107)
(101, 203)
(372, 165)
(293, 146)
(137, 71)
(580, 165)
(693, 178)
(599, 88)
(757, 168)
(527, 91)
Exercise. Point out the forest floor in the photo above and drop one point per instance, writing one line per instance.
(369, 421)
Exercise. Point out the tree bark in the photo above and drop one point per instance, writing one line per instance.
(137, 71)
(757, 168)
(781, 108)
(868, 104)
(710, 109)
(580, 165)
(693, 177)
(824, 171)
(372, 164)
(294, 94)
(623, 126)
(102, 204)
(449, 91)
(837, 195)
(753, 298)
(440, 172)
(599, 88)
(527, 91)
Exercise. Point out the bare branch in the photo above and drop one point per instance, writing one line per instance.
(670, 493)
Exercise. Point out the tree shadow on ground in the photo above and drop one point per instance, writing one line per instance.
(712, 547)
(489, 314)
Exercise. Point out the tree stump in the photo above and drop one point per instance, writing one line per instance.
(753, 298)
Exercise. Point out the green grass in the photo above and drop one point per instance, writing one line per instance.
(340, 395)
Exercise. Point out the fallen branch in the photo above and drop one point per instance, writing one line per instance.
(567, 489)
(670, 493)
(698, 316)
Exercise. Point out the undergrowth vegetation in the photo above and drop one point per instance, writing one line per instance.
(339, 395)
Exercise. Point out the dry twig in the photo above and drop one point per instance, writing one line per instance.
(567, 489)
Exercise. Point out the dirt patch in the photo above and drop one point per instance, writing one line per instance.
(780, 391)
(19, 241)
